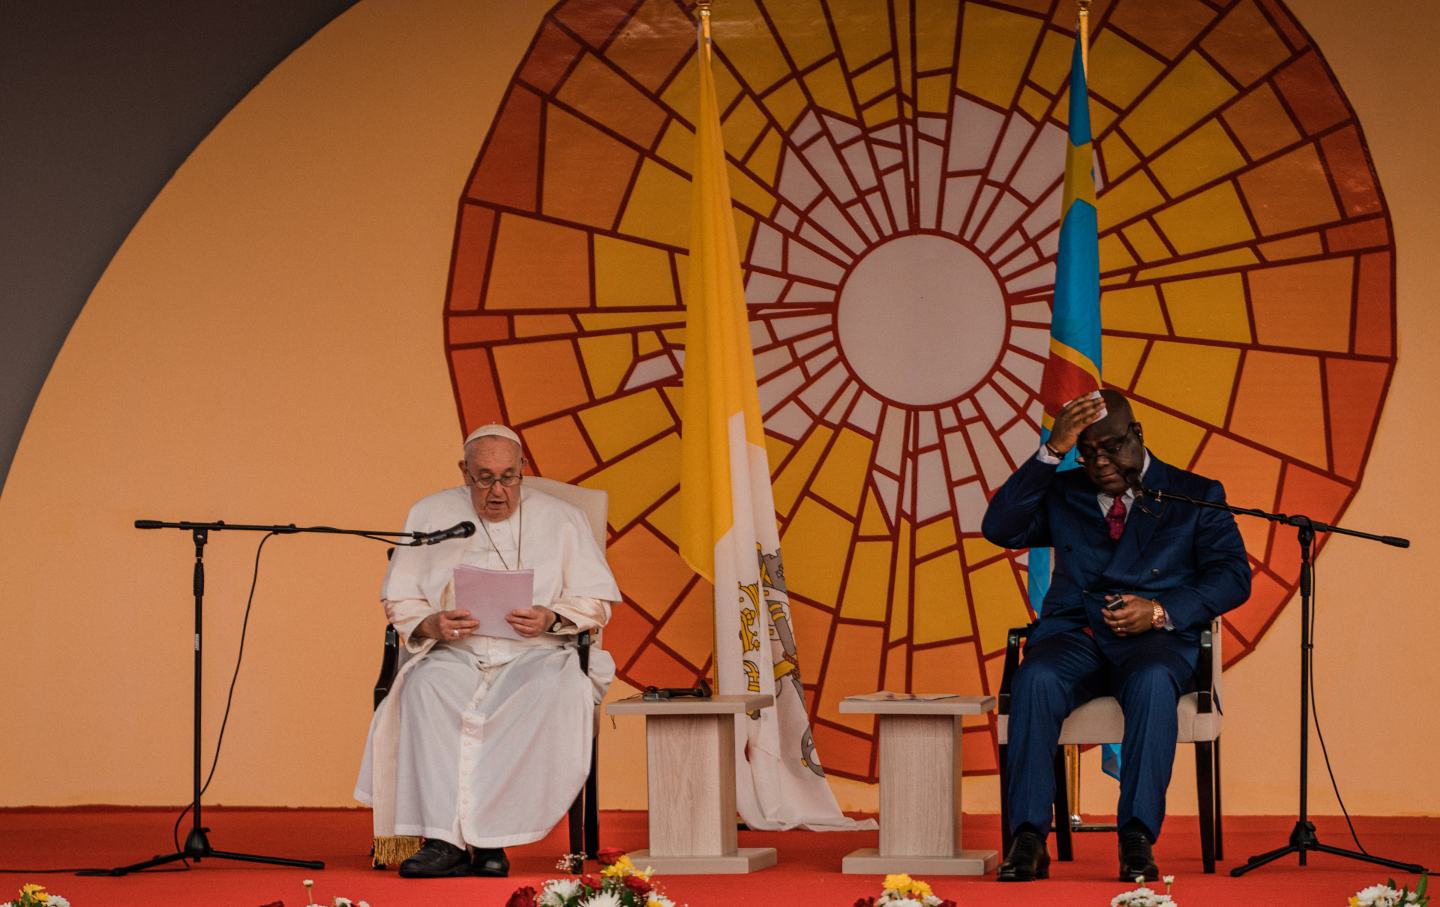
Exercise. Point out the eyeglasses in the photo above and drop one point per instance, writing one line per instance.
(1086, 453)
(701, 690)
(508, 479)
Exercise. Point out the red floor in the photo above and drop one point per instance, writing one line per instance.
(807, 874)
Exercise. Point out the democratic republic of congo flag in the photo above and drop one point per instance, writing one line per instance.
(728, 531)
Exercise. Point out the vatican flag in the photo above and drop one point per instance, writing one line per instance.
(728, 532)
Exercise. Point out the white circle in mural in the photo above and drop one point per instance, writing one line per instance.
(915, 301)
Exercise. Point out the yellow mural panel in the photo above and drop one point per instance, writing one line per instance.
(1128, 198)
(764, 161)
(801, 24)
(935, 22)
(1173, 439)
(677, 146)
(872, 519)
(999, 603)
(1134, 309)
(900, 595)
(776, 450)
(1119, 70)
(786, 103)
(648, 342)
(864, 30)
(631, 274)
(977, 550)
(1116, 155)
(1114, 256)
(841, 478)
(659, 207)
(745, 191)
(639, 480)
(1146, 242)
(1120, 357)
(872, 83)
(1211, 219)
(615, 321)
(1211, 308)
(793, 478)
(1203, 155)
(607, 357)
(867, 582)
(665, 518)
(737, 28)
(742, 127)
(830, 90)
(995, 44)
(882, 112)
(1193, 378)
(1051, 69)
(1189, 92)
(810, 542)
(1033, 103)
(934, 536)
(932, 94)
(941, 611)
(617, 425)
(1232, 258)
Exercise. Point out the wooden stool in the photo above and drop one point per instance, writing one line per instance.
(920, 771)
(690, 747)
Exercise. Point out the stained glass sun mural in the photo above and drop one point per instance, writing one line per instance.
(896, 170)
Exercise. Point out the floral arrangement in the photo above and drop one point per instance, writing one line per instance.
(1388, 896)
(1145, 896)
(33, 895)
(903, 891)
(619, 884)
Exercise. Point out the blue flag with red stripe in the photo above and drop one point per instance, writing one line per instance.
(1073, 366)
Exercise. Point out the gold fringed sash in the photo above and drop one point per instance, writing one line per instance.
(391, 850)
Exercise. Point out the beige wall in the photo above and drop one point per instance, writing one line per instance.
(267, 347)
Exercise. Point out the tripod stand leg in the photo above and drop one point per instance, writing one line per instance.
(273, 861)
(1412, 868)
(1259, 860)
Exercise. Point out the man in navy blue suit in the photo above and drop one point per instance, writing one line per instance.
(1134, 584)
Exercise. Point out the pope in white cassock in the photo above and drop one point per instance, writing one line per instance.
(484, 741)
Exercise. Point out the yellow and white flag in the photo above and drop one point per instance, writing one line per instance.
(728, 532)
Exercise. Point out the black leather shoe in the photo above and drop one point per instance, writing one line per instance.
(436, 860)
(1136, 860)
(490, 862)
(1028, 859)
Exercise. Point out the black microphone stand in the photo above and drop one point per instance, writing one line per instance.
(197, 843)
(1302, 838)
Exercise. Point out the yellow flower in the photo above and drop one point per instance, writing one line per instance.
(920, 888)
(35, 893)
(619, 869)
(900, 883)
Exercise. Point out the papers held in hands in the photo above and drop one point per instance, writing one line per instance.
(489, 595)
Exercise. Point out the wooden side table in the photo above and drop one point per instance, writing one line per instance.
(690, 746)
(920, 771)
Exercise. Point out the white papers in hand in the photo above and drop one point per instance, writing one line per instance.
(489, 595)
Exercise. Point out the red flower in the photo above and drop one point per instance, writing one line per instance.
(523, 897)
(591, 881)
(865, 902)
(638, 884)
(608, 856)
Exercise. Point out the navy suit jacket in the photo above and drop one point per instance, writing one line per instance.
(1190, 559)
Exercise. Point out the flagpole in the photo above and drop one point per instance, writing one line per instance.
(1072, 751)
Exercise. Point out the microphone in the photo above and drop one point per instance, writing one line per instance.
(1132, 480)
(462, 530)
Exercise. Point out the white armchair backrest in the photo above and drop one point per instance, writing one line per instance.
(593, 502)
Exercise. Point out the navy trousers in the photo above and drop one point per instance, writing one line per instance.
(1064, 671)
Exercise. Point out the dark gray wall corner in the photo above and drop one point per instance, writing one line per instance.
(100, 103)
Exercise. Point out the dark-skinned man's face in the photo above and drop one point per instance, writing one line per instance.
(1110, 448)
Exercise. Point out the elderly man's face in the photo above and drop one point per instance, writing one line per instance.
(493, 461)
(1110, 448)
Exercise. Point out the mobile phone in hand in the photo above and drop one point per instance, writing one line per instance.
(1114, 601)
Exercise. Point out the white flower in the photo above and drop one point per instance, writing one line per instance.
(1168, 880)
(557, 892)
(57, 901)
(1377, 896)
(602, 899)
(342, 902)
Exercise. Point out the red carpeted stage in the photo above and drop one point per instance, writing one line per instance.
(808, 872)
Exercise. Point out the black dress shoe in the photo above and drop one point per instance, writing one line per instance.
(1136, 860)
(492, 862)
(436, 860)
(1028, 859)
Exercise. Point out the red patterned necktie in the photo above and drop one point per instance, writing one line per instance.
(1115, 518)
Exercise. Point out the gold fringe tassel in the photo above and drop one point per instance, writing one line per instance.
(391, 850)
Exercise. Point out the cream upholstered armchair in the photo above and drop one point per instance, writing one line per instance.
(584, 818)
(1101, 721)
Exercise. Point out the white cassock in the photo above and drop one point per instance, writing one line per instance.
(486, 741)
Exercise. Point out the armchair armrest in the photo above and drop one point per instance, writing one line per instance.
(1205, 672)
(1012, 661)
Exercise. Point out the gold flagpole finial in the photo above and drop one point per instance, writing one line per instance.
(1083, 27)
(703, 7)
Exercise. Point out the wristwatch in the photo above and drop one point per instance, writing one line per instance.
(1157, 616)
(1053, 452)
(557, 626)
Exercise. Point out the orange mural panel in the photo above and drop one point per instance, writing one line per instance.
(1350, 169)
(951, 668)
(509, 167)
(654, 579)
(553, 54)
(538, 379)
(586, 171)
(1278, 404)
(1289, 193)
(1353, 390)
(1303, 305)
(1374, 306)
(1308, 91)
(563, 282)
(558, 449)
(1313, 494)
(472, 257)
(1252, 479)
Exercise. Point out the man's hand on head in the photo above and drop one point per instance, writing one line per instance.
(531, 621)
(1076, 416)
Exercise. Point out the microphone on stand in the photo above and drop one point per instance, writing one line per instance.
(462, 530)
(1132, 480)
